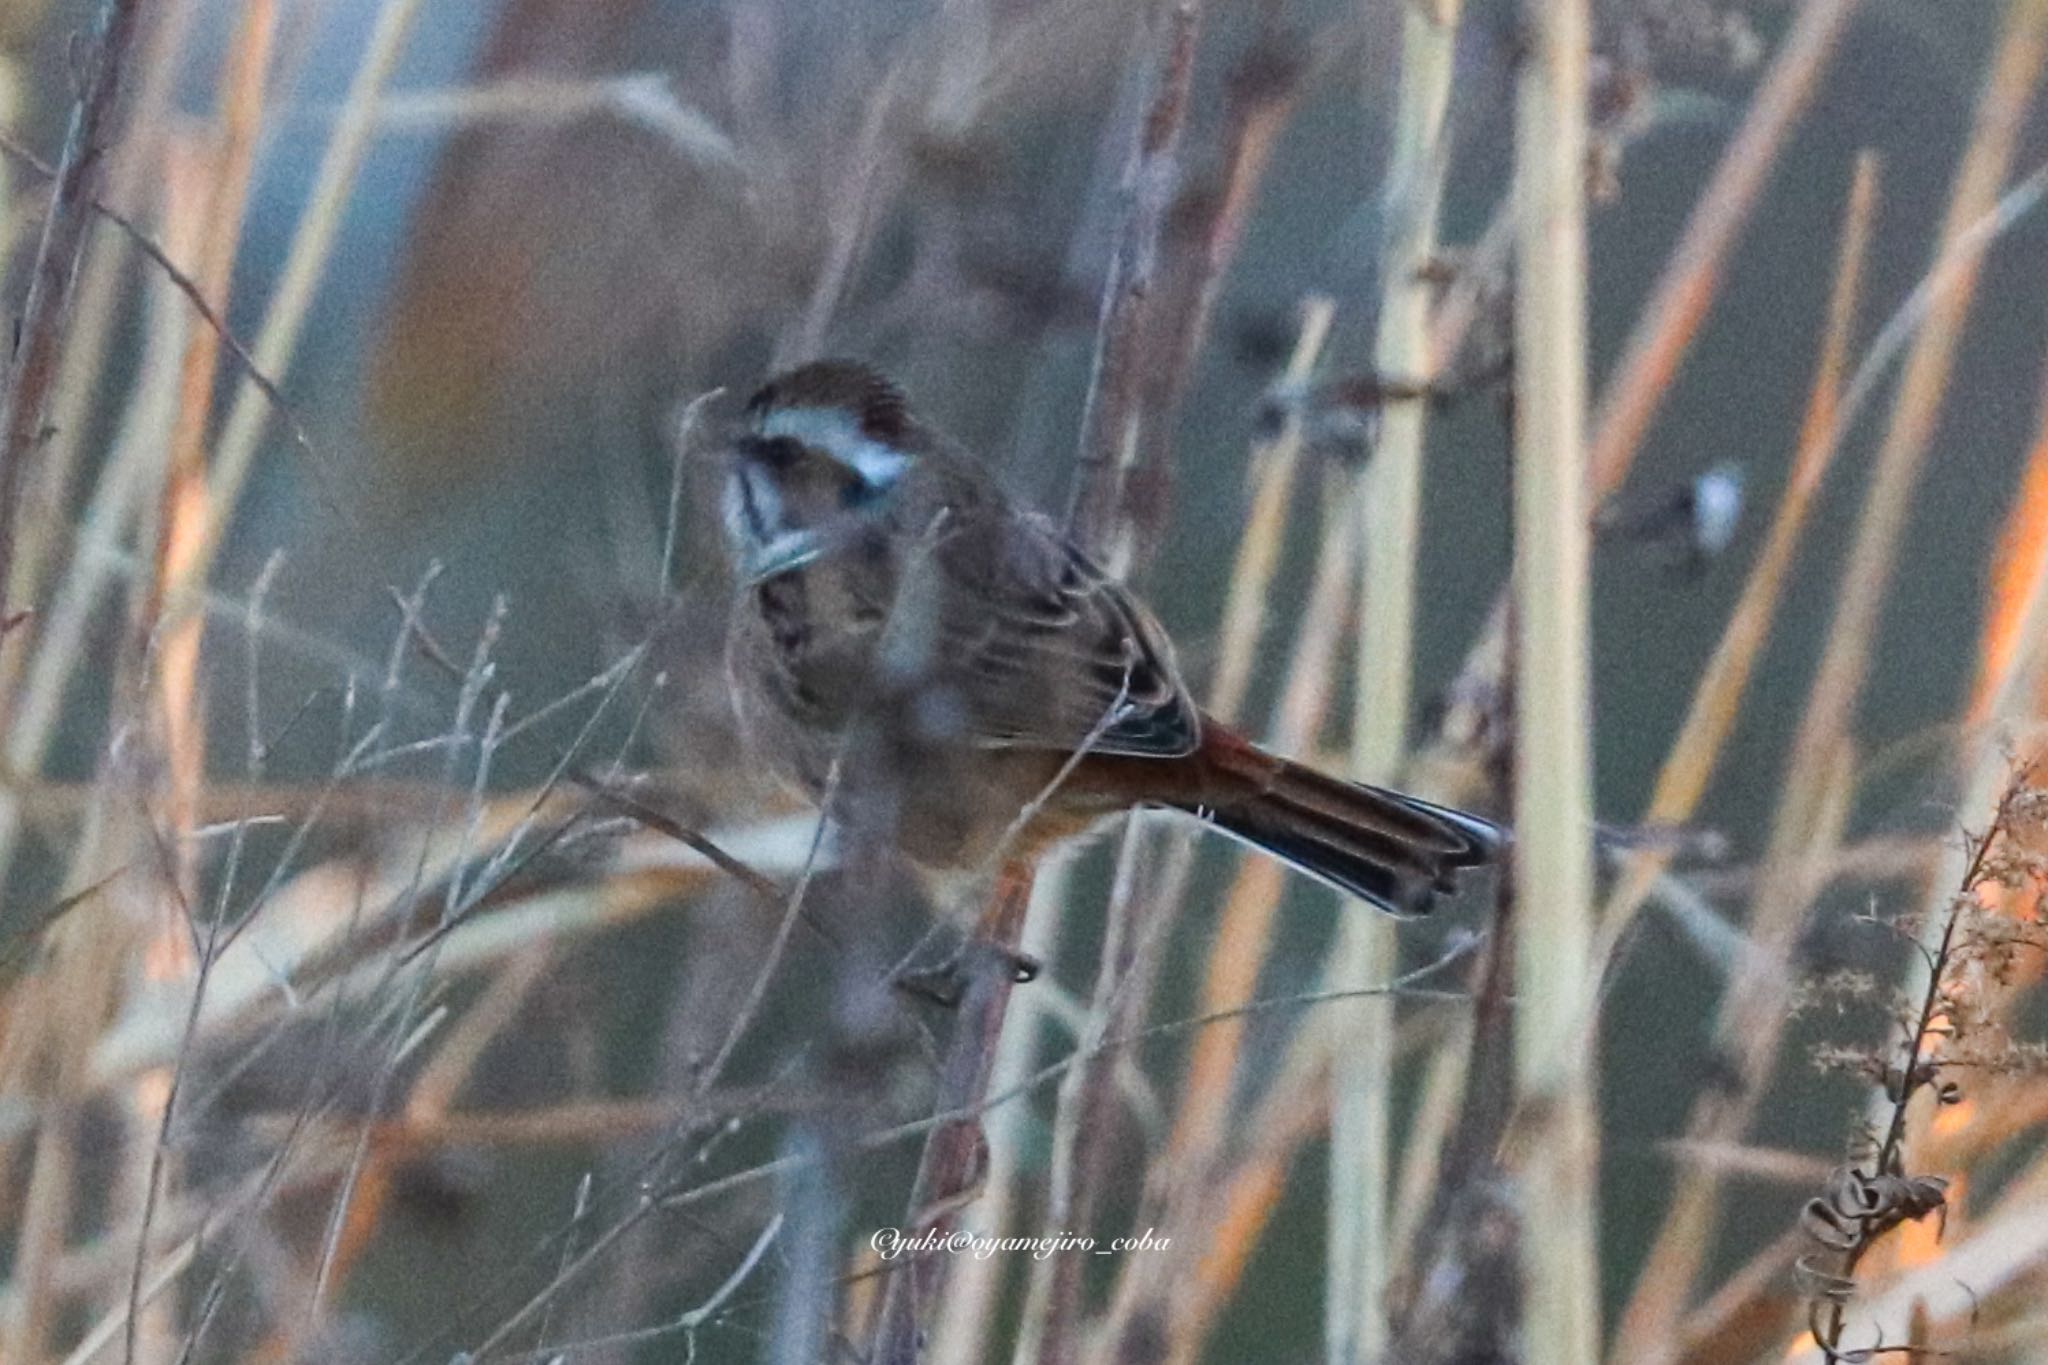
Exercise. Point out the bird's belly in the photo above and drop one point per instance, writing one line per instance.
(989, 806)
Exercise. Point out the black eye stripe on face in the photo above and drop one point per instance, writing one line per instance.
(777, 452)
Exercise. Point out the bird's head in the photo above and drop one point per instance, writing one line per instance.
(814, 462)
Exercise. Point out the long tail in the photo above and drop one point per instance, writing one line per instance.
(1395, 851)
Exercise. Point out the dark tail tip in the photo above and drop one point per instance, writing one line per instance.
(1397, 852)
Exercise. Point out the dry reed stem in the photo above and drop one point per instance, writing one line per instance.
(1717, 697)
(1245, 928)
(1389, 506)
(1391, 495)
(182, 511)
(2023, 547)
(177, 725)
(1089, 1106)
(1671, 318)
(1556, 1163)
(1241, 945)
(1234, 1221)
(46, 312)
(144, 428)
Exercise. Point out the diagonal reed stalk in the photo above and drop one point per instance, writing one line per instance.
(1752, 1015)
(1557, 1156)
(1647, 1323)
(305, 265)
(1670, 320)
(1717, 699)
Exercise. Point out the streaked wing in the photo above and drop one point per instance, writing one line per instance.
(1048, 650)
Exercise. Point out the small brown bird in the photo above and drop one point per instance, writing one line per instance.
(876, 559)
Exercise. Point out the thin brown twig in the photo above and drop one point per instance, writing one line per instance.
(140, 238)
(1114, 411)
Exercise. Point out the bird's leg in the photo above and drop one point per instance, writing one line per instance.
(986, 949)
(944, 983)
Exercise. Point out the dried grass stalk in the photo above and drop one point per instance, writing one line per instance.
(1557, 1153)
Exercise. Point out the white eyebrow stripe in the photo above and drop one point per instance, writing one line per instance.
(834, 432)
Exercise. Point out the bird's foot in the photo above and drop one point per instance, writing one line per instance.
(945, 983)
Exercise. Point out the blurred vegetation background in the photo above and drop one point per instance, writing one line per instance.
(463, 1059)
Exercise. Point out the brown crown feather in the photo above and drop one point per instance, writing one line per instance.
(877, 405)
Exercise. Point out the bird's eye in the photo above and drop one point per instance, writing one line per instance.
(858, 492)
(777, 452)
